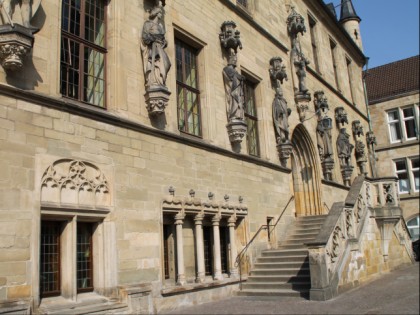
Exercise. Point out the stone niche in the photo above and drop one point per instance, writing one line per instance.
(75, 182)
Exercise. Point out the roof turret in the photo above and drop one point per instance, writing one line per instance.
(347, 11)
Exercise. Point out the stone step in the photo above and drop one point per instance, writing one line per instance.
(309, 225)
(311, 218)
(300, 246)
(290, 272)
(274, 292)
(285, 252)
(305, 232)
(282, 278)
(277, 285)
(268, 259)
(297, 240)
(279, 265)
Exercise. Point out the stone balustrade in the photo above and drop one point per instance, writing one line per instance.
(341, 255)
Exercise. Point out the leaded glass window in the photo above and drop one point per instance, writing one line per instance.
(83, 51)
(251, 118)
(188, 94)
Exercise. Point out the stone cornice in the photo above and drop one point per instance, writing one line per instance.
(340, 95)
(399, 145)
(99, 114)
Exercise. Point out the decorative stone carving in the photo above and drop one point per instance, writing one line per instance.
(371, 143)
(341, 116)
(321, 103)
(357, 128)
(284, 150)
(74, 182)
(361, 158)
(156, 63)
(295, 25)
(369, 200)
(349, 222)
(323, 134)
(302, 105)
(337, 238)
(388, 194)
(344, 150)
(230, 38)
(234, 83)
(281, 112)
(370, 138)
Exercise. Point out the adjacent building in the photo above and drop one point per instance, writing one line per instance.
(393, 94)
(144, 144)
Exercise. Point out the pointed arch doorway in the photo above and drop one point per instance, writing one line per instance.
(306, 174)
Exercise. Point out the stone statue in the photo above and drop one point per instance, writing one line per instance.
(234, 85)
(280, 117)
(9, 9)
(324, 142)
(344, 147)
(156, 62)
(300, 67)
(280, 110)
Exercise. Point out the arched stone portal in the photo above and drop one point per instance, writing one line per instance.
(306, 174)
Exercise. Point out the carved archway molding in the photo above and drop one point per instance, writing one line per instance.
(306, 174)
(69, 183)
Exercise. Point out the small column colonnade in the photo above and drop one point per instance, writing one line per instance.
(179, 208)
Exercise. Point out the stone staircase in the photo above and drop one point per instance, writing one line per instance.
(285, 271)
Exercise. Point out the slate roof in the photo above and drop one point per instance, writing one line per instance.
(393, 79)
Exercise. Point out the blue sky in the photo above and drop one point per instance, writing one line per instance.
(389, 29)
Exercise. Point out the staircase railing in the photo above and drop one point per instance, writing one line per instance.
(343, 229)
(239, 257)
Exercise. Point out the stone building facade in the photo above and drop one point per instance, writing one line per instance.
(139, 150)
(393, 94)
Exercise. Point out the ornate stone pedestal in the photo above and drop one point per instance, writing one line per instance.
(302, 104)
(327, 167)
(284, 150)
(15, 44)
(157, 98)
(346, 172)
(236, 130)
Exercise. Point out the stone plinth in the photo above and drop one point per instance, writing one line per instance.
(236, 130)
(157, 98)
(15, 44)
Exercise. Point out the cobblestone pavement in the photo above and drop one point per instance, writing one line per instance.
(394, 293)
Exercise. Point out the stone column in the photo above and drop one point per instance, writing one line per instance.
(217, 261)
(233, 270)
(201, 272)
(179, 220)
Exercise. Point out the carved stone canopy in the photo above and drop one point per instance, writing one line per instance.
(321, 102)
(341, 116)
(370, 138)
(357, 128)
(295, 23)
(277, 70)
(230, 37)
